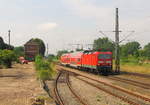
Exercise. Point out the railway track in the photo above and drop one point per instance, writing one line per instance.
(140, 99)
(123, 98)
(137, 74)
(107, 91)
(71, 89)
(131, 82)
(58, 97)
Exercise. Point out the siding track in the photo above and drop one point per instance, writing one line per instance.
(59, 99)
(137, 99)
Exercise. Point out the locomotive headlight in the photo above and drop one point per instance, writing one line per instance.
(100, 61)
(108, 61)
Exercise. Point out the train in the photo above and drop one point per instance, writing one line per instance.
(98, 61)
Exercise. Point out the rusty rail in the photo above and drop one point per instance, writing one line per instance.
(56, 92)
(107, 91)
(132, 82)
(73, 92)
(118, 88)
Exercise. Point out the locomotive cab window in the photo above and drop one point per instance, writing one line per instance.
(104, 56)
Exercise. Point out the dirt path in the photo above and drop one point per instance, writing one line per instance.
(18, 85)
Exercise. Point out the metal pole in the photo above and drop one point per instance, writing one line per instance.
(9, 37)
(47, 49)
(117, 55)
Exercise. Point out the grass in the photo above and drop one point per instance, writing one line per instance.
(136, 68)
(133, 65)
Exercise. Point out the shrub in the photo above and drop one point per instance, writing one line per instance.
(45, 69)
(44, 75)
(38, 61)
(7, 57)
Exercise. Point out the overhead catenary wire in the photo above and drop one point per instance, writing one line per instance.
(127, 36)
(102, 32)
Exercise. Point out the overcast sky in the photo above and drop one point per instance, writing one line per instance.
(63, 22)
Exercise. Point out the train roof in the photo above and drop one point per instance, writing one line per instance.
(80, 53)
(98, 52)
(76, 54)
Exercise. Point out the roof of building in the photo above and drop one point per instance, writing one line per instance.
(31, 43)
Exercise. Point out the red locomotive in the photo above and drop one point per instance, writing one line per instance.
(88, 60)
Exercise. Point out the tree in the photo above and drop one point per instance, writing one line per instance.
(6, 57)
(51, 57)
(61, 52)
(146, 51)
(103, 44)
(19, 51)
(3, 45)
(130, 48)
(78, 49)
(41, 45)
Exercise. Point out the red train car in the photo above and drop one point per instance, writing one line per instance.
(87, 60)
(65, 59)
(75, 59)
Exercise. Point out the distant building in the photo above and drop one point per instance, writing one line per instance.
(31, 50)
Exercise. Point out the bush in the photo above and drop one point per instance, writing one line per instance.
(44, 75)
(130, 60)
(45, 69)
(7, 57)
(38, 61)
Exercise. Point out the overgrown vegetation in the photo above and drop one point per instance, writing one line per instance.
(7, 57)
(129, 67)
(45, 69)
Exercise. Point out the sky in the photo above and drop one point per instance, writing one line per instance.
(61, 23)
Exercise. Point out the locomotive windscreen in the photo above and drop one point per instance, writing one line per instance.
(104, 56)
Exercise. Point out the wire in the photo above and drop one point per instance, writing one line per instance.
(103, 34)
(127, 36)
(106, 35)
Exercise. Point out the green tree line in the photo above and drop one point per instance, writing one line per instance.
(128, 50)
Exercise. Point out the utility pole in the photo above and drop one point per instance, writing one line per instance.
(117, 42)
(9, 38)
(117, 52)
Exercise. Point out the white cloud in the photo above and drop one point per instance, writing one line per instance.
(47, 26)
(85, 8)
(133, 14)
(80, 20)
